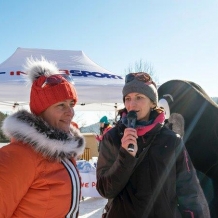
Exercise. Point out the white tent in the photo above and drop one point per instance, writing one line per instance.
(98, 88)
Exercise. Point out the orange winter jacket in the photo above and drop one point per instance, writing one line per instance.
(33, 186)
(38, 179)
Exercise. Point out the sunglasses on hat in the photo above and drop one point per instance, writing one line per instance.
(57, 79)
(141, 76)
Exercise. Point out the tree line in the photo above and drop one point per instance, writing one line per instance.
(3, 138)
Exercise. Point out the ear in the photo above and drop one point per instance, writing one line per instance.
(153, 105)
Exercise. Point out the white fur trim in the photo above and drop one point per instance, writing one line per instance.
(13, 127)
(36, 67)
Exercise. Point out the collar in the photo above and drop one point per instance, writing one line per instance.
(50, 142)
(143, 127)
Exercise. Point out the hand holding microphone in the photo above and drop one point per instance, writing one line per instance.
(131, 118)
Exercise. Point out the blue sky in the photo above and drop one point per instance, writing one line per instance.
(179, 38)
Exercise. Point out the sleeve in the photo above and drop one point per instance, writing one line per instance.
(17, 171)
(98, 138)
(191, 199)
(114, 167)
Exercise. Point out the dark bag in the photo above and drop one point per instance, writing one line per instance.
(107, 206)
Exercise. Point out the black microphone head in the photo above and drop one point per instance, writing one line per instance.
(132, 117)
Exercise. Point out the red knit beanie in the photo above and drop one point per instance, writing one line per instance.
(44, 95)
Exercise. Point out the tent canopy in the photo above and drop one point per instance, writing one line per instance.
(93, 83)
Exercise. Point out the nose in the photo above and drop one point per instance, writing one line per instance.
(132, 103)
(69, 110)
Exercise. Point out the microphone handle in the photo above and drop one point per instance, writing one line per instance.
(131, 117)
(130, 148)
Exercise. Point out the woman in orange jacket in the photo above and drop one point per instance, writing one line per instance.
(38, 175)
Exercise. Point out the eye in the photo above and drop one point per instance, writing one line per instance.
(139, 97)
(127, 99)
(61, 105)
(72, 103)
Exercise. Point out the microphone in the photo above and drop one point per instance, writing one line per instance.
(131, 118)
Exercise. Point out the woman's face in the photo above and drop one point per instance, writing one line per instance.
(59, 115)
(139, 103)
(102, 125)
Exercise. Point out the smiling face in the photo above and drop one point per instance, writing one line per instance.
(139, 103)
(59, 115)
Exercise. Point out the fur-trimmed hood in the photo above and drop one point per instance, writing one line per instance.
(50, 142)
